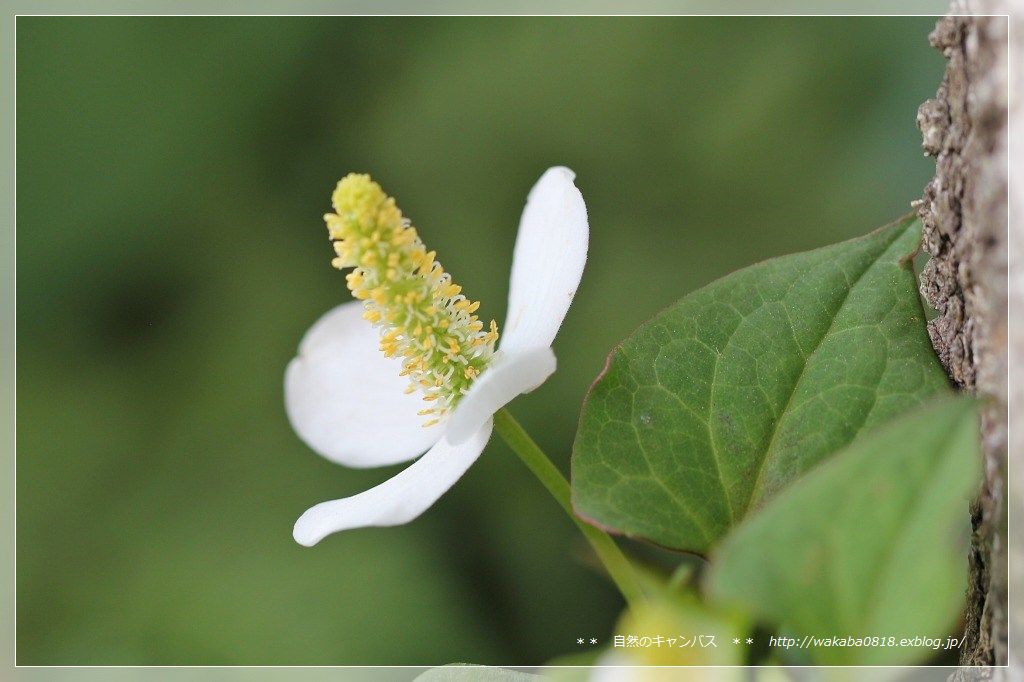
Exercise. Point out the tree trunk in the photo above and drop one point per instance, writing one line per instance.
(964, 212)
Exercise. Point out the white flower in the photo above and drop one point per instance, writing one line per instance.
(348, 402)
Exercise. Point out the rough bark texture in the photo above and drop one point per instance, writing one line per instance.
(964, 211)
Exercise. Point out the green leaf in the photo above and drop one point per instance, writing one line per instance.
(716, 404)
(871, 543)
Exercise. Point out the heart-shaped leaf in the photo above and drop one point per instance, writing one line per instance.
(716, 404)
(871, 544)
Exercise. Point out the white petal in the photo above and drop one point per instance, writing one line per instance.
(509, 375)
(397, 500)
(346, 400)
(615, 666)
(550, 252)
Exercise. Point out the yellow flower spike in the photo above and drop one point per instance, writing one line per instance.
(408, 293)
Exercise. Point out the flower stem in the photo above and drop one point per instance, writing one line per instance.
(622, 572)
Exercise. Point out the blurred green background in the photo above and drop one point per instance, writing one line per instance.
(172, 174)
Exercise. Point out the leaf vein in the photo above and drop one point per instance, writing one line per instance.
(758, 480)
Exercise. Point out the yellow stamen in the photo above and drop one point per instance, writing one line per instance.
(425, 317)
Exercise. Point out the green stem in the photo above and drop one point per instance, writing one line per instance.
(615, 562)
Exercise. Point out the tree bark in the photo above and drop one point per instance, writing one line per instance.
(964, 213)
